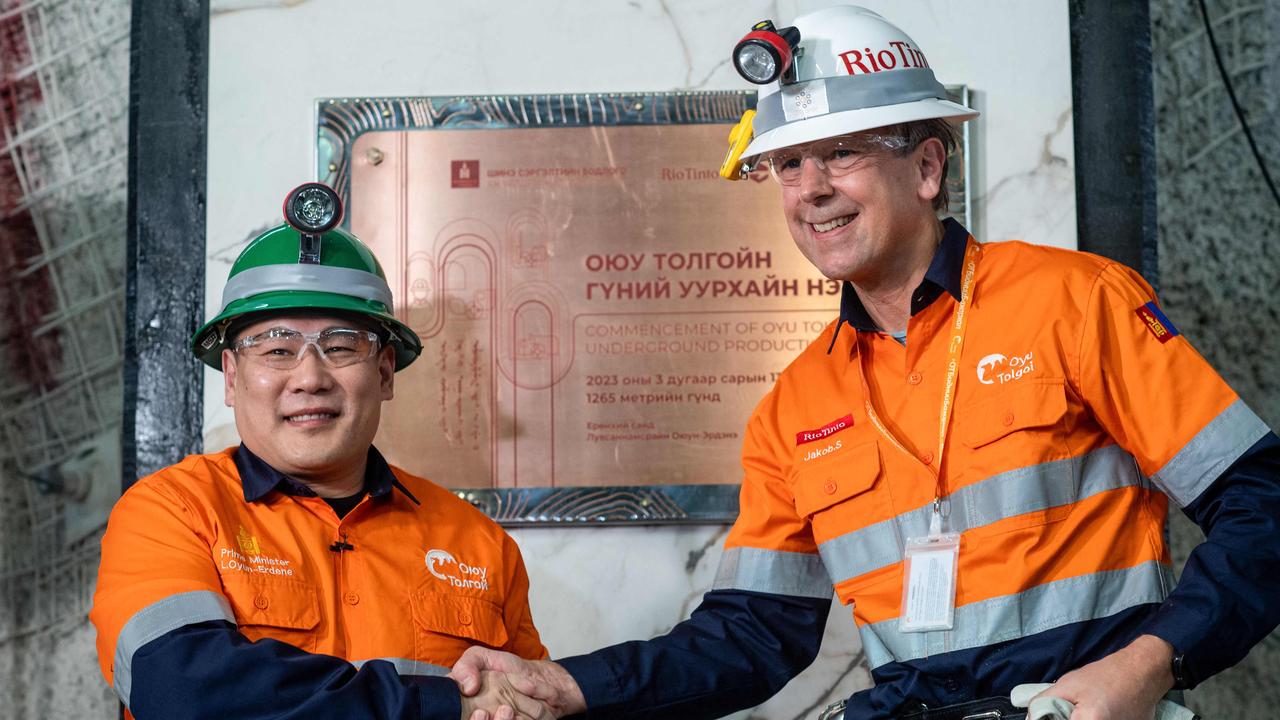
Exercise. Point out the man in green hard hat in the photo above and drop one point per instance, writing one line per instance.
(298, 574)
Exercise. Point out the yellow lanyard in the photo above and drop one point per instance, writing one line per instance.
(959, 322)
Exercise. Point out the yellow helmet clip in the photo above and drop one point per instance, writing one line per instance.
(739, 139)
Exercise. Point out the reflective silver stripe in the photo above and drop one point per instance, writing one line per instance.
(1208, 454)
(772, 571)
(855, 92)
(1041, 608)
(157, 619)
(404, 666)
(312, 278)
(1028, 489)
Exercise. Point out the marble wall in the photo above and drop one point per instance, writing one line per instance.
(271, 60)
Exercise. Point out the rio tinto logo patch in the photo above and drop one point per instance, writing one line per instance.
(996, 369)
(824, 432)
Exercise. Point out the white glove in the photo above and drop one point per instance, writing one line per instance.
(1052, 708)
(1042, 708)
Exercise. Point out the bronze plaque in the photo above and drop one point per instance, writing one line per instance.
(600, 311)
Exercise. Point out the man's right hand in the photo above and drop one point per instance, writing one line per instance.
(494, 698)
(540, 680)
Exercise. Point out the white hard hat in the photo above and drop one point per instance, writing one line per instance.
(852, 71)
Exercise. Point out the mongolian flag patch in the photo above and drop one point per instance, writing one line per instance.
(1157, 322)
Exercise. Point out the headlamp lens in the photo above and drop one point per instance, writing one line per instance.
(313, 208)
(757, 62)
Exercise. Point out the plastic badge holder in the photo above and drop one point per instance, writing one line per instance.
(929, 583)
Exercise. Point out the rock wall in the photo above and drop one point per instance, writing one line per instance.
(1218, 230)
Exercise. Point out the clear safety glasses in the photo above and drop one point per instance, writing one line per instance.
(282, 349)
(836, 156)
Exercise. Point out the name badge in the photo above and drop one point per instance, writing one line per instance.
(929, 583)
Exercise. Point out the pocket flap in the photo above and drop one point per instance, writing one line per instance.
(279, 603)
(460, 616)
(831, 481)
(1026, 405)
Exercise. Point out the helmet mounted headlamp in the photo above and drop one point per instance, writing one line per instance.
(283, 271)
(312, 209)
(766, 53)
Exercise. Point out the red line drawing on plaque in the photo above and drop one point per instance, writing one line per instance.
(528, 240)
(506, 305)
(535, 348)
(461, 313)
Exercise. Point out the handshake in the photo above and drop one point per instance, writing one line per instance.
(500, 686)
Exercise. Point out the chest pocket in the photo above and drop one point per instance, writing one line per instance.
(1024, 429)
(842, 492)
(284, 610)
(446, 624)
(1023, 424)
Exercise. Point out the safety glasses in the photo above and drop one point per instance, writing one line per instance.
(836, 156)
(281, 348)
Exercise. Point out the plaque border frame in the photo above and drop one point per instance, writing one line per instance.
(341, 121)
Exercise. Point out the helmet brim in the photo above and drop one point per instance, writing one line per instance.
(851, 121)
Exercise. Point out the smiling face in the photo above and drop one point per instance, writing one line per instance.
(313, 422)
(867, 224)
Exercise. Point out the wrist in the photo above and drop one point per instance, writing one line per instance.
(570, 693)
(1155, 657)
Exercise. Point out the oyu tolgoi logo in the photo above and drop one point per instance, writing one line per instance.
(444, 566)
(998, 369)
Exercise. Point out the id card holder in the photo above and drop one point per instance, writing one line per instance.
(929, 582)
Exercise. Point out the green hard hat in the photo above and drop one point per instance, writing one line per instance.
(287, 268)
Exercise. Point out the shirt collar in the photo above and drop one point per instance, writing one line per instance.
(944, 275)
(258, 478)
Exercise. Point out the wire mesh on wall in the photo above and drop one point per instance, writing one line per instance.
(63, 119)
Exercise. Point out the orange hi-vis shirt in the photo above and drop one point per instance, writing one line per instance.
(412, 575)
(1078, 410)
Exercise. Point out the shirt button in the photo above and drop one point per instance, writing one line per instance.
(260, 602)
(830, 487)
(464, 617)
(1008, 418)
(926, 457)
(352, 598)
(915, 378)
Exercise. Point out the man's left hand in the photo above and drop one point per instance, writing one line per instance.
(1125, 685)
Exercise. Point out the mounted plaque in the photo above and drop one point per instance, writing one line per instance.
(600, 311)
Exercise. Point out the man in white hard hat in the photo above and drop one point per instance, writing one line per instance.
(979, 464)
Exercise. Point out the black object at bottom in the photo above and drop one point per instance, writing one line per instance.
(987, 709)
